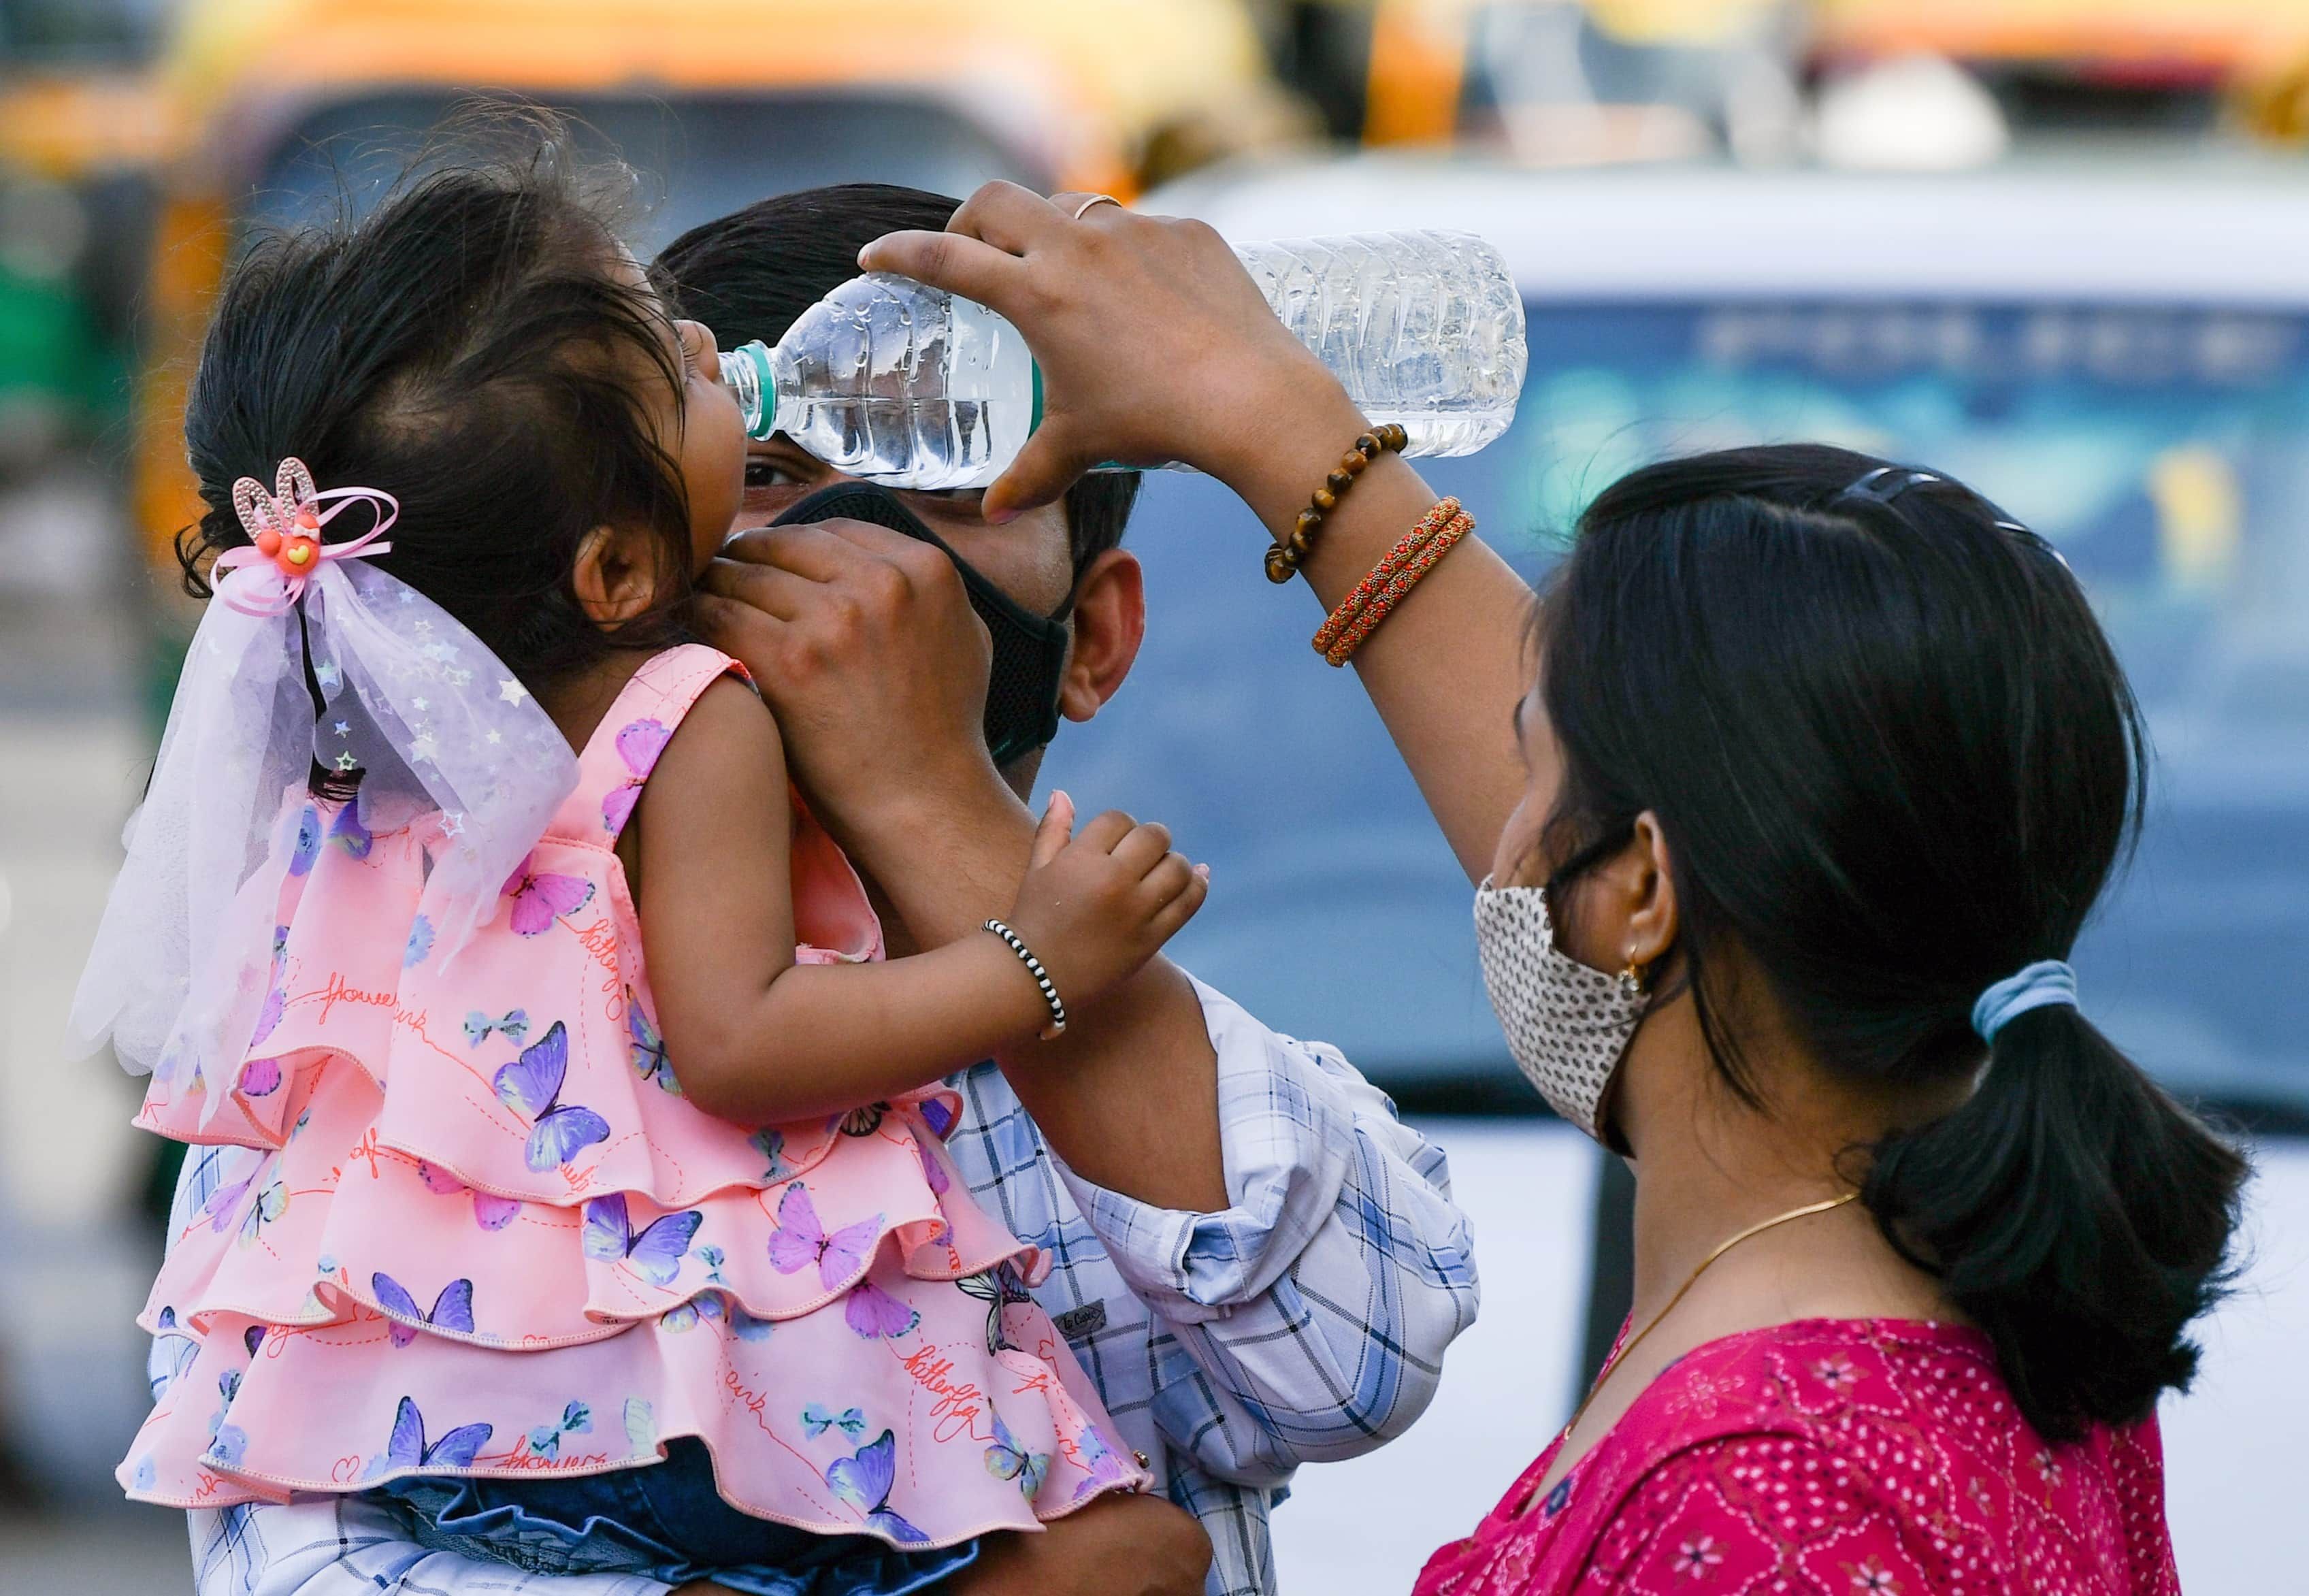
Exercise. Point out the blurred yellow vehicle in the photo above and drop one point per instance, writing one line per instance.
(281, 107)
(2144, 40)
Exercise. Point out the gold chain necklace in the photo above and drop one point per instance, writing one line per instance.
(1632, 1342)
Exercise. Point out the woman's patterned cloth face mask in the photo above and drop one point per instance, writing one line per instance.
(1567, 1025)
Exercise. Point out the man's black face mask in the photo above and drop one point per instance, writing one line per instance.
(1030, 650)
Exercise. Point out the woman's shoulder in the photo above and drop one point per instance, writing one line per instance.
(1796, 1377)
(1871, 1455)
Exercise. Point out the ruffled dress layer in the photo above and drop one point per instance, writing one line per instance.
(478, 1231)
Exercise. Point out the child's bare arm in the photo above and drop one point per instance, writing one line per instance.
(755, 1038)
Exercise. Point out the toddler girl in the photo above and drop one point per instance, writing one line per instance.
(594, 1208)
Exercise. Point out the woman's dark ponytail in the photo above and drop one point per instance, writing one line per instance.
(2075, 1213)
(1896, 762)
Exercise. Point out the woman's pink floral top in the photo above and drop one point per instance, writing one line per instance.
(1830, 1457)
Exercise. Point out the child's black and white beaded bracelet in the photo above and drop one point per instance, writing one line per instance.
(1041, 977)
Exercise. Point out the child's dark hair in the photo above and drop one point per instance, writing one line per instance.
(1895, 760)
(749, 275)
(467, 349)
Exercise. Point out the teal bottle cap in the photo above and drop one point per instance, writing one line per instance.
(745, 373)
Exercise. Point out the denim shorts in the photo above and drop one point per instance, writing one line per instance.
(662, 1521)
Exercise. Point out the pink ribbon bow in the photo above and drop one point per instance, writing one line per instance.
(284, 532)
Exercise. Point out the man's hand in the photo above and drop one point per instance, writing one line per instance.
(855, 632)
(1118, 1546)
(865, 646)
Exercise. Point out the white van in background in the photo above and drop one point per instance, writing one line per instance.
(2118, 355)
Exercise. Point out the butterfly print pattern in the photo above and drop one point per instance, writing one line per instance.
(654, 1251)
(1103, 1464)
(863, 1479)
(305, 842)
(772, 1145)
(641, 1426)
(816, 1420)
(530, 1186)
(545, 1440)
(876, 1315)
(649, 1047)
(490, 1212)
(347, 832)
(512, 1026)
(540, 898)
(531, 1085)
(406, 1450)
(268, 1203)
(1008, 1460)
(998, 1288)
(800, 1241)
(746, 1327)
(453, 1310)
(862, 1122)
(223, 1206)
(639, 744)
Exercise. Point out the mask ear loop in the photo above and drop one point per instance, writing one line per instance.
(1065, 609)
(1586, 859)
(1635, 979)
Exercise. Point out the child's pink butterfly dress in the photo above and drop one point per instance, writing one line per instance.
(530, 1254)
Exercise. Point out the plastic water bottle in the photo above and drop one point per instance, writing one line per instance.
(888, 379)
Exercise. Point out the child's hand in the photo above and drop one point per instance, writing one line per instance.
(1095, 908)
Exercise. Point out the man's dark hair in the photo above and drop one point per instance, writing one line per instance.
(749, 275)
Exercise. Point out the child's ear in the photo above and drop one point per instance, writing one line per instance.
(616, 574)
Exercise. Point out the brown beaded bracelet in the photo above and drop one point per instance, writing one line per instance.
(1283, 559)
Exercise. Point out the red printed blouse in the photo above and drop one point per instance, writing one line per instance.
(1830, 1458)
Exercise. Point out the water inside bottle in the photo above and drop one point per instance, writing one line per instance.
(896, 382)
(928, 444)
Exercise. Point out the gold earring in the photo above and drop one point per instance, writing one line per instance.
(1635, 980)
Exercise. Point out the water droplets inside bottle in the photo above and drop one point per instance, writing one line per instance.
(902, 384)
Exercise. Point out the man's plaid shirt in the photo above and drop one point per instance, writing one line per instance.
(1306, 1323)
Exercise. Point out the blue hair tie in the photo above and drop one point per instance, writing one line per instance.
(2042, 984)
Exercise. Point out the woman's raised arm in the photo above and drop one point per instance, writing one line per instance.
(1154, 346)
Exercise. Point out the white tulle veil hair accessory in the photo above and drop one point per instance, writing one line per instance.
(413, 701)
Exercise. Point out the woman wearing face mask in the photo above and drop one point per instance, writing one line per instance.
(1817, 766)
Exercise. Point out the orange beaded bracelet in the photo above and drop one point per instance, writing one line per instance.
(1283, 559)
(1375, 597)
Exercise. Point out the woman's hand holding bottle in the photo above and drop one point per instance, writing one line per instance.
(1096, 904)
(1153, 344)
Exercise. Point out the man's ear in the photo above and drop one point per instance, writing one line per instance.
(616, 574)
(1110, 619)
